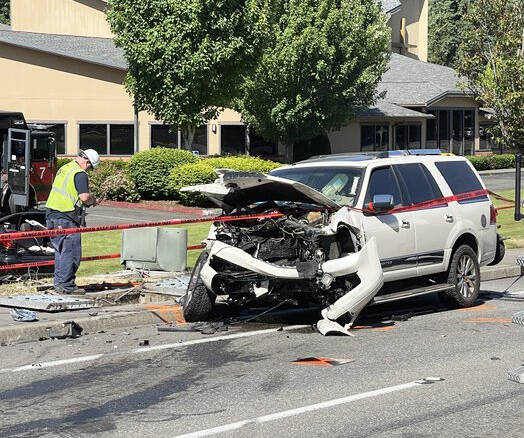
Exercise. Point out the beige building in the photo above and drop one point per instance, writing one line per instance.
(60, 67)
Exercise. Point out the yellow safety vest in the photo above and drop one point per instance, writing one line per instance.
(64, 195)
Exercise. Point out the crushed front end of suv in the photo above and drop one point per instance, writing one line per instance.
(313, 252)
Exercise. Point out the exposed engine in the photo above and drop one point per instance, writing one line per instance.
(302, 240)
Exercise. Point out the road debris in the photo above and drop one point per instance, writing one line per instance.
(47, 303)
(143, 343)
(517, 375)
(518, 318)
(68, 329)
(21, 315)
(429, 380)
(322, 361)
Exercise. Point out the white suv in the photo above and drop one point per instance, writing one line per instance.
(355, 230)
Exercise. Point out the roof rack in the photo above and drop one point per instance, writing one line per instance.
(365, 156)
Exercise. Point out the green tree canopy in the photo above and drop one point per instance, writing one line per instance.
(187, 57)
(492, 60)
(320, 66)
(445, 30)
(4, 11)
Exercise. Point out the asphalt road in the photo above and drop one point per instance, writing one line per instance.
(499, 181)
(190, 383)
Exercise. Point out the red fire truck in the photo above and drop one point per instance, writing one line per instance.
(28, 167)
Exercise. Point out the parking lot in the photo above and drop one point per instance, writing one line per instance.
(186, 382)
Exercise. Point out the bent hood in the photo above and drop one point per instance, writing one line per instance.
(239, 189)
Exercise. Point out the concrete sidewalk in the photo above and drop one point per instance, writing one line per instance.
(128, 316)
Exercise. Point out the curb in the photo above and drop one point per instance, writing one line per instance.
(497, 272)
(166, 314)
(496, 171)
(177, 209)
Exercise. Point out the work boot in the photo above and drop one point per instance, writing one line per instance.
(73, 292)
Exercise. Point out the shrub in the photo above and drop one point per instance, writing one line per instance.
(62, 162)
(150, 170)
(189, 175)
(244, 163)
(104, 170)
(119, 187)
(490, 162)
(203, 173)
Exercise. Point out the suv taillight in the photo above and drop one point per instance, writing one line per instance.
(492, 215)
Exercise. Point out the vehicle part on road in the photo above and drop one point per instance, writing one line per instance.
(464, 273)
(518, 318)
(198, 301)
(68, 329)
(47, 303)
(517, 375)
(321, 361)
(327, 327)
(21, 315)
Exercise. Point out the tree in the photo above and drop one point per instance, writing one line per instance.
(319, 67)
(492, 60)
(445, 30)
(187, 57)
(4, 11)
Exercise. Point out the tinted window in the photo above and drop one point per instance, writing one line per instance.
(163, 136)
(94, 136)
(199, 141)
(383, 182)
(459, 176)
(232, 139)
(418, 183)
(122, 139)
(338, 184)
(59, 131)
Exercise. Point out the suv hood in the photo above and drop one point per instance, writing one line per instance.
(235, 189)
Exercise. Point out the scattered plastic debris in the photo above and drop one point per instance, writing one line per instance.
(143, 343)
(210, 328)
(495, 358)
(321, 361)
(21, 315)
(69, 329)
(429, 380)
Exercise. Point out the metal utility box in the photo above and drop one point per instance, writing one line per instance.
(157, 249)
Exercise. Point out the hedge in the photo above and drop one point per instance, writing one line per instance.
(105, 170)
(150, 170)
(203, 173)
(490, 162)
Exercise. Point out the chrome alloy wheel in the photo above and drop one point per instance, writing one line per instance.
(466, 276)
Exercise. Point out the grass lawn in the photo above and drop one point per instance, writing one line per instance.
(514, 231)
(108, 242)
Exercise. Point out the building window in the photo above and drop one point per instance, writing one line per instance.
(108, 139)
(452, 131)
(232, 139)
(59, 129)
(164, 136)
(199, 145)
(408, 136)
(374, 138)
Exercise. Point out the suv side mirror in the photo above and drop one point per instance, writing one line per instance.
(382, 203)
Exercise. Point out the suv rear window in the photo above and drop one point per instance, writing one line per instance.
(418, 183)
(459, 176)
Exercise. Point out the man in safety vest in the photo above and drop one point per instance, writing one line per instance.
(69, 194)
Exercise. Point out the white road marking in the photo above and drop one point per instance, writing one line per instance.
(56, 363)
(297, 411)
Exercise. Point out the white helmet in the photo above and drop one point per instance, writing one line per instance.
(92, 156)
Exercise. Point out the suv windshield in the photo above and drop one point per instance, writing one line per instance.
(340, 184)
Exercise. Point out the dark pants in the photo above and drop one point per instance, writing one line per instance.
(68, 251)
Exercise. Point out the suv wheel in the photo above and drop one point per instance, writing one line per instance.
(464, 274)
(198, 301)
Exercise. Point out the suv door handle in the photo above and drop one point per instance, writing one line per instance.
(405, 224)
(449, 218)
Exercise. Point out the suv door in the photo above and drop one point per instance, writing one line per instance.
(395, 232)
(432, 224)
